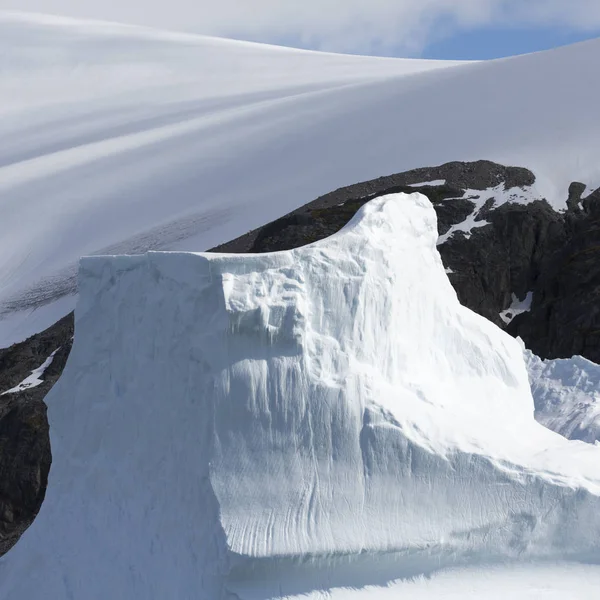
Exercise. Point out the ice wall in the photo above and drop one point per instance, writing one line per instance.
(227, 422)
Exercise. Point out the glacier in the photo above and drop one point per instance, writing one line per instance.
(291, 423)
(119, 140)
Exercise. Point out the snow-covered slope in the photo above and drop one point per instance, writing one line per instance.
(566, 393)
(269, 424)
(118, 139)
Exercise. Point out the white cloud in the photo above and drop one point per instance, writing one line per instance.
(346, 25)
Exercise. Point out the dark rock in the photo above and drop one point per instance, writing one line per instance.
(503, 259)
(458, 178)
(576, 190)
(565, 316)
(18, 360)
(591, 203)
(25, 455)
(24, 464)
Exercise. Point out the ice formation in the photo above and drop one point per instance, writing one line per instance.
(270, 425)
(566, 394)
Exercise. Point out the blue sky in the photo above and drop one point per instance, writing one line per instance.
(496, 42)
(454, 29)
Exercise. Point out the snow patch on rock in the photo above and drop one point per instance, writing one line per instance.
(35, 379)
(480, 198)
(517, 307)
(435, 183)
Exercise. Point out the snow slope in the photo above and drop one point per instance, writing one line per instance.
(117, 139)
(268, 425)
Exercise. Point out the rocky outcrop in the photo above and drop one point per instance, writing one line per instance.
(565, 315)
(25, 454)
(518, 245)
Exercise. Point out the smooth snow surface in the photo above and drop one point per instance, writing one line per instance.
(537, 582)
(35, 378)
(269, 426)
(566, 393)
(119, 140)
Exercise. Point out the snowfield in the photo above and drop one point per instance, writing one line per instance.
(322, 422)
(120, 140)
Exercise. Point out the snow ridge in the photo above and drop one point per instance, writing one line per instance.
(222, 419)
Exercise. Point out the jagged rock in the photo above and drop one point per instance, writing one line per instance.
(576, 190)
(565, 315)
(503, 259)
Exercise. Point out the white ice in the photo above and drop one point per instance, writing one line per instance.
(295, 423)
(566, 393)
(118, 140)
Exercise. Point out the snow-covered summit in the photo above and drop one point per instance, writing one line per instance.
(273, 424)
(119, 139)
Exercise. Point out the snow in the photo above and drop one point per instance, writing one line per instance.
(35, 378)
(119, 139)
(538, 582)
(567, 396)
(517, 307)
(268, 425)
(499, 194)
(436, 182)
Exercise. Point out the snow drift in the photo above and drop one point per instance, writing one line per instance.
(117, 139)
(279, 423)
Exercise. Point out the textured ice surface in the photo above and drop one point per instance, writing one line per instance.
(292, 422)
(566, 393)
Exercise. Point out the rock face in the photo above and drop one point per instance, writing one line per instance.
(25, 454)
(565, 316)
(499, 243)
